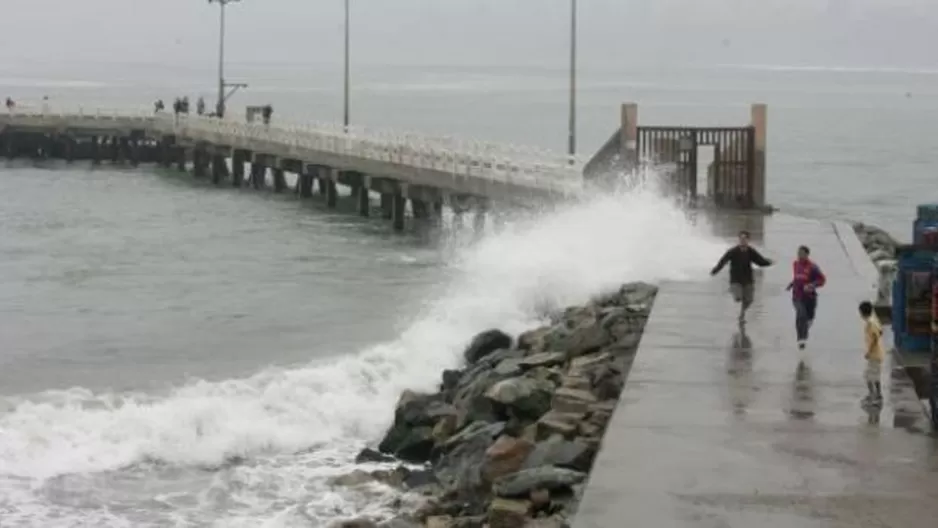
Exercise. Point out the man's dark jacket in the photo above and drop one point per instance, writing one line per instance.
(741, 260)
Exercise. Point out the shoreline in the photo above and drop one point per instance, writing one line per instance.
(509, 439)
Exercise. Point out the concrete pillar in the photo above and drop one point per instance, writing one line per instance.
(94, 152)
(421, 209)
(181, 155)
(69, 145)
(258, 175)
(478, 221)
(10, 146)
(219, 168)
(436, 213)
(364, 196)
(332, 194)
(199, 162)
(237, 167)
(280, 181)
(387, 206)
(305, 184)
(133, 152)
(629, 132)
(399, 206)
(759, 120)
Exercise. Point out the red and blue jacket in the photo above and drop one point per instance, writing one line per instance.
(805, 272)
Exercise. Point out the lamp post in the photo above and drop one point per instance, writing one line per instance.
(345, 119)
(571, 133)
(222, 85)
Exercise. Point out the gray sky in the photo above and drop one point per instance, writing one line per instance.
(615, 33)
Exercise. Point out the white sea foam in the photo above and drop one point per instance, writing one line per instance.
(295, 428)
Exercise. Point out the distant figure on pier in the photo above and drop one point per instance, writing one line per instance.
(184, 108)
(200, 106)
(10, 104)
(45, 104)
(266, 113)
(158, 106)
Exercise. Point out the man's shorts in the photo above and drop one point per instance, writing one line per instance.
(742, 292)
(873, 371)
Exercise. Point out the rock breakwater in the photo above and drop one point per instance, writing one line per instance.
(881, 247)
(509, 439)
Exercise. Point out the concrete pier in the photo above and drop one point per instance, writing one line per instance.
(721, 425)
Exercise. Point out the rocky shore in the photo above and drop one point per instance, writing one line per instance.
(509, 439)
(881, 247)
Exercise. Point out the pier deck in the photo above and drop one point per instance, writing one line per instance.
(719, 428)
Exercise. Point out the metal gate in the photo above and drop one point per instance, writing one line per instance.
(731, 175)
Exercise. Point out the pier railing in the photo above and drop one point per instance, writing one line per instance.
(529, 166)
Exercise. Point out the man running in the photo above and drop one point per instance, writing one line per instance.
(807, 277)
(741, 257)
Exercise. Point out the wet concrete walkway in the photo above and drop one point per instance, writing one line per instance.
(719, 428)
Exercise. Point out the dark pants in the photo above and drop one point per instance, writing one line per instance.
(804, 315)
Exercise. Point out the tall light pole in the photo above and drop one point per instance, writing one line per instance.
(222, 97)
(571, 133)
(345, 120)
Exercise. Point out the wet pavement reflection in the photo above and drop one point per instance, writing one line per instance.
(728, 426)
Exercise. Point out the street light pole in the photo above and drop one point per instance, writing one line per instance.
(571, 133)
(345, 120)
(222, 97)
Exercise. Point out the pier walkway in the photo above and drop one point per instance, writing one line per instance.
(719, 428)
(483, 169)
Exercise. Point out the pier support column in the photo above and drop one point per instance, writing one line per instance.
(421, 209)
(387, 206)
(199, 162)
(436, 213)
(258, 174)
(364, 196)
(219, 168)
(133, 152)
(10, 146)
(94, 151)
(115, 149)
(305, 184)
(332, 194)
(280, 181)
(478, 221)
(181, 156)
(399, 207)
(237, 168)
(69, 145)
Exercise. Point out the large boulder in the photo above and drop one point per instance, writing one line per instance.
(411, 436)
(574, 455)
(525, 398)
(504, 513)
(485, 343)
(521, 484)
(459, 466)
(505, 456)
(586, 338)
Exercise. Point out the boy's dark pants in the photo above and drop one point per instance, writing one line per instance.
(805, 308)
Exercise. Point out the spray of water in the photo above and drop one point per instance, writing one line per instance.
(329, 409)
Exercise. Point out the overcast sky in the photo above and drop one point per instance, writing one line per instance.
(615, 33)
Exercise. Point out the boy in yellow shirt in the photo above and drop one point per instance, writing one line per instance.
(874, 354)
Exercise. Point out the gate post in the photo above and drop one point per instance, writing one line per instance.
(629, 139)
(759, 116)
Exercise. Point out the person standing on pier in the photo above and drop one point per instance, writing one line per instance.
(741, 257)
(200, 106)
(807, 277)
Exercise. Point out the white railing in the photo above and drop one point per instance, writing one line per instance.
(528, 166)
